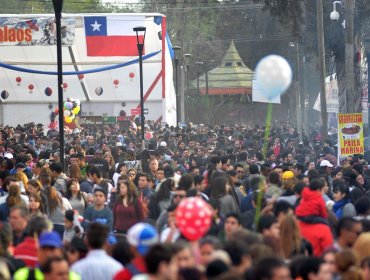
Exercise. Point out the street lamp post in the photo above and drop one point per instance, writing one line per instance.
(140, 47)
(198, 63)
(321, 51)
(58, 6)
(298, 87)
(206, 68)
(176, 50)
(187, 67)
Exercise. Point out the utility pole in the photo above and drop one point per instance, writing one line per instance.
(349, 7)
(182, 94)
(298, 93)
(321, 52)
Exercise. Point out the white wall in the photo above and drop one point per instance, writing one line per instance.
(14, 114)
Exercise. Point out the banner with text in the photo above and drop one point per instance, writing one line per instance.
(35, 31)
(350, 134)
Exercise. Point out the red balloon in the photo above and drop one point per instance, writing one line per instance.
(116, 82)
(65, 85)
(31, 86)
(193, 218)
(81, 76)
(18, 79)
(132, 75)
(48, 91)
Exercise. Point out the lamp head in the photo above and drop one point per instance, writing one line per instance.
(334, 15)
(139, 29)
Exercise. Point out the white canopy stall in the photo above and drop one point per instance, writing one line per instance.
(119, 88)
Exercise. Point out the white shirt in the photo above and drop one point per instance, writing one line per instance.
(97, 266)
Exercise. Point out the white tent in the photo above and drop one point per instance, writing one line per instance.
(121, 89)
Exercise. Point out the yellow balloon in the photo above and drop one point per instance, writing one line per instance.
(68, 119)
(76, 109)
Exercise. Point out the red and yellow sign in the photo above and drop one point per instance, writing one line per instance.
(350, 134)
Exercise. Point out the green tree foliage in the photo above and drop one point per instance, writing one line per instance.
(69, 6)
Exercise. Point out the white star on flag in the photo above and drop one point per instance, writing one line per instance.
(96, 26)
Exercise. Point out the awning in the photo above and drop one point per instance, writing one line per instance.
(226, 91)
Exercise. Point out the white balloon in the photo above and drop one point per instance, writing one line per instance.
(67, 113)
(274, 76)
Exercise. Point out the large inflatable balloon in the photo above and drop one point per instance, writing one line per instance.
(193, 218)
(273, 75)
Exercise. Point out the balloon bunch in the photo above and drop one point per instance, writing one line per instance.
(71, 109)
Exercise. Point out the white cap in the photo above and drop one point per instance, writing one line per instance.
(163, 143)
(325, 163)
(118, 144)
(8, 155)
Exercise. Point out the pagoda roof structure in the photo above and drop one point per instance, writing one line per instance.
(230, 77)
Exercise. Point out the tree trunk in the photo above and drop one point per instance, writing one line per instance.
(339, 66)
(354, 101)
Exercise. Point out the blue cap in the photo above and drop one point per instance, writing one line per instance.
(142, 236)
(50, 239)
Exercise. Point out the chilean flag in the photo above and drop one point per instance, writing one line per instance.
(112, 35)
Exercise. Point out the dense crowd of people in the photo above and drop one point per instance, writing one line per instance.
(283, 207)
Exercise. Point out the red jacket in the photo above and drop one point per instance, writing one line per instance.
(27, 252)
(319, 235)
(311, 204)
(125, 274)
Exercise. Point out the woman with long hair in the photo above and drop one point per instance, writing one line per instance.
(35, 205)
(220, 190)
(76, 198)
(34, 187)
(120, 170)
(343, 206)
(127, 209)
(45, 177)
(131, 174)
(57, 207)
(13, 198)
(75, 172)
(161, 200)
(111, 164)
(292, 242)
